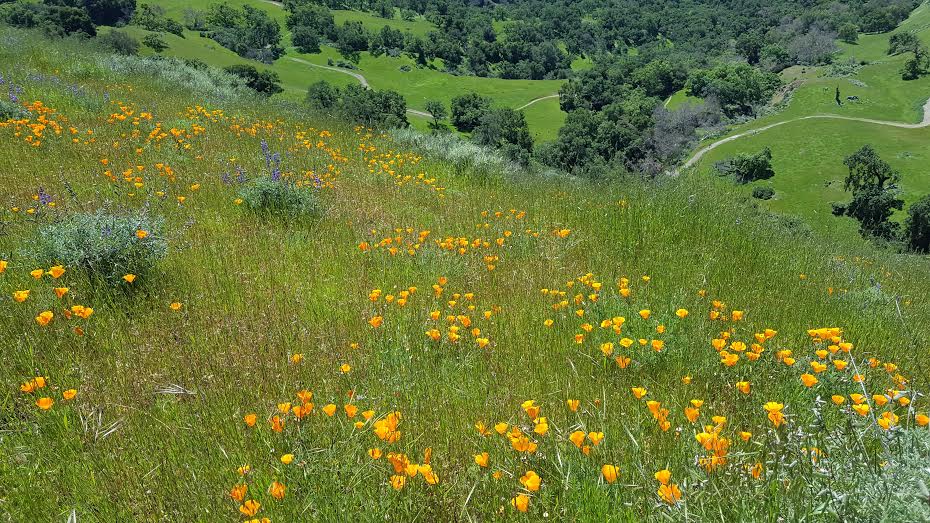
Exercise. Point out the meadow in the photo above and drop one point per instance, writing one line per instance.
(808, 154)
(441, 342)
(418, 85)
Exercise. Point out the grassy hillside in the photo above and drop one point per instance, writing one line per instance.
(808, 154)
(627, 351)
(417, 85)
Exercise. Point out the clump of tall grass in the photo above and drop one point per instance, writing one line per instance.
(466, 157)
(177, 73)
(106, 246)
(271, 197)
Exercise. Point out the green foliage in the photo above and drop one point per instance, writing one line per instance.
(915, 66)
(504, 128)
(322, 95)
(467, 111)
(867, 169)
(738, 87)
(749, 45)
(917, 226)
(903, 42)
(351, 39)
(265, 82)
(875, 195)
(387, 41)
(102, 12)
(384, 109)
(195, 19)
(119, 42)
(306, 40)
(309, 25)
(54, 20)
(104, 245)
(464, 157)
(746, 168)
(155, 42)
(872, 208)
(848, 33)
(10, 110)
(278, 198)
(878, 17)
(438, 113)
(763, 193)
(248, 32)
(153, 18)
(177, 73)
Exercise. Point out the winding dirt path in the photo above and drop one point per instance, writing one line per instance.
(364, 81)
(706, 149)
(357, 76)
(534, 100)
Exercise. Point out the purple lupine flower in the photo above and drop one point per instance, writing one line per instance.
(265, 151)
(44, 197)
(225, 178)
(240, 174)
(276, 169)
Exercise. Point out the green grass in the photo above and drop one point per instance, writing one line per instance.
(156, 431)
(808, 160)
(681, 98)
(544, 119)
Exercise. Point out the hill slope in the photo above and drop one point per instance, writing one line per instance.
(356, 365)
(810, 137)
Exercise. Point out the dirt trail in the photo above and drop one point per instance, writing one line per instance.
(357, 76)
(362, 80)
(541, 98)
(706, 149)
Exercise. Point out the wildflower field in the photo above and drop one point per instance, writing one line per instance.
(216, 308)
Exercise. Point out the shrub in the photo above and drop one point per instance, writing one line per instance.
(747, 167)
(322, 95)
(263, 82)
(120, 42)
(10, 110)
(466, 157)
(269, 197)
(155, 19)
(154, 42)
(106, 246)
(763, 193)
(175, 72)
